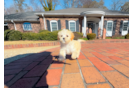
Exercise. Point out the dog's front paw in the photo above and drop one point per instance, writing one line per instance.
(73, 57)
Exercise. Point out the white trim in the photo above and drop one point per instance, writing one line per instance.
(51, 24)
(102, 22)
(74, 22)
(5, 24)
(23, 26)
(107, 26)
(93, 12)
(14, 24)
(44, 21)
(85, 22)
(123, 26)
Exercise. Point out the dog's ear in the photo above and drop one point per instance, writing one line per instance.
(72, 35)
(58, 37)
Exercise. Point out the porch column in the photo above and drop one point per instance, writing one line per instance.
(85, 21)
(102, 19)
(44, 21)
(14, 24)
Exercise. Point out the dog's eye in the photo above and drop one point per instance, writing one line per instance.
(61, 35)
(67, 35)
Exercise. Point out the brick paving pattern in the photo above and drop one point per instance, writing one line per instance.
(100, 65)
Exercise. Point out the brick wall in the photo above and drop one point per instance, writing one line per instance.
(19, 26)
(36, 26)
(80, 24)
(41, 23)
(118, 22)
(11, 26)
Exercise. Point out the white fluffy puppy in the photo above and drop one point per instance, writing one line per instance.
(68, 45)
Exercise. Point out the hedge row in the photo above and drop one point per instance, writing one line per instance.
(42, 35)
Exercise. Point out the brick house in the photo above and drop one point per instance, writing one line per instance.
(85, 20)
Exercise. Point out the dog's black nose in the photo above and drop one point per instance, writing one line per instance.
(63, 38)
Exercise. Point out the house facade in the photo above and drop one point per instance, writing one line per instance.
(85, 20)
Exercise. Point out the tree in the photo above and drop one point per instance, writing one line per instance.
(36, 5)
(20, 5)
(10, 10)
(93, 4)
(117, 4)
(71, 3)
(125, 7)
(17, 6)
(48, 5)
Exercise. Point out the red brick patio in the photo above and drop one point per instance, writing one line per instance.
(100, 65)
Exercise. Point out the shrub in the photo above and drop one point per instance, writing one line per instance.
(49, 35)
(127, 36)
(30, 36)
(6, 34)
(14, 35)
(43, 31)
(77, 35)
(91, 36)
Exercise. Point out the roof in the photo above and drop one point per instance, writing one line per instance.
(78, 11)
(25, 16)
(33, 16)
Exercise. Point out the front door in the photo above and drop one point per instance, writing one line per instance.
(109, 28)
(92, 26)
(125, 28)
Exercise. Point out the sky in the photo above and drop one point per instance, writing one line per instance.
(10, 2)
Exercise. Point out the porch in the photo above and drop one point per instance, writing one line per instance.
(93, 23)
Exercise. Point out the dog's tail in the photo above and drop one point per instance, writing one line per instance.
(80, 40)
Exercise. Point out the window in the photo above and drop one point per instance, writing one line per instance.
(125, 25)
(27, 26)
(109, 25)
(54, 25)
(72, 26)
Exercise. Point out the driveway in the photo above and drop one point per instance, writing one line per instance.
(100, 65)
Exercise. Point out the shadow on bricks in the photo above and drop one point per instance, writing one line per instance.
(33, 71)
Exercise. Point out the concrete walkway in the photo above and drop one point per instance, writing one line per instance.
(100, 65)
(15, 54)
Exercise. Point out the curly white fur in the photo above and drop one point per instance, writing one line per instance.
(68, 45)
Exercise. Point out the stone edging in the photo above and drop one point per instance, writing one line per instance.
(57, 43)
(30, 45)
(109, 41)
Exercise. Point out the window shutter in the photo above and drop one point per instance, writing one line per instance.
(121, 26)
(105, 24)
(67, 24)
(59, 25)
(77, 25)
(114, 27)
(48, 25)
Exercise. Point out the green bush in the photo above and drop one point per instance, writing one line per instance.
(127, 36)
(49, 35)
(77, 35)
(30, 36)
(14, 35)
(6, 34)
(43, 31)
(42, 35)
(91, 36)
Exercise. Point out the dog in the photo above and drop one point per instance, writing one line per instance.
(68, 45)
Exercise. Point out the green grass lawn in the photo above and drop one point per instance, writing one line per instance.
(84, 38)
(121, 37)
